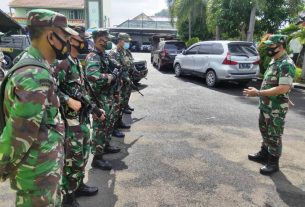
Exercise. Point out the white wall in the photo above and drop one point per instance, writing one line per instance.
(107, 11)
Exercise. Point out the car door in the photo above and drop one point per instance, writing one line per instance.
(201, 60)
(187, 62)
(157, 53)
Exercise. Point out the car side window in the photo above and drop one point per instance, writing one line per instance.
(205, 49)
(217, 49)
(192, 50)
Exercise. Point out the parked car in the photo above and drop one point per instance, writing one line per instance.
(146, 47)
(12, 46)
(219, 61)
(2, 61)
(165, 53)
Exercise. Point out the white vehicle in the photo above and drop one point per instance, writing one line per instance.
(219, 61)
(146, 47)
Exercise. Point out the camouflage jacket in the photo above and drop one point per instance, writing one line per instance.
(70, 77)
(124, 58)
(32, 140)
(279, 72)
(98, 67)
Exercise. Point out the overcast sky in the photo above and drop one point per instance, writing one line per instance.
(122, 9)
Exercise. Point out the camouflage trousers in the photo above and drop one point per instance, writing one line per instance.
(102, 131)
(272, 127)
(45, 197)
(77, 150)
(125, 94)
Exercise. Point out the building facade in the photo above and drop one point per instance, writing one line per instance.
(76, 11)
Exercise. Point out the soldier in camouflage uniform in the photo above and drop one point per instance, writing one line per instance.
(124, 57)
(31, 145)
(101, 73)
(273, 104)
(71, 80)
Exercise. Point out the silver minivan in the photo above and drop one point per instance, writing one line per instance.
(219, 61)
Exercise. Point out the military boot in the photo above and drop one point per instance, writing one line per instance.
(127, 111)
(111, 149)
(130, 108)
(100, 163)
(117, 133)
(85, 190)
(260, 157)
(122, 125)
(271, 167)
(69, 200)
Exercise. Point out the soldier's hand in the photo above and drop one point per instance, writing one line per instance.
(250, 92)
(110, 78)
(102, 117)
(74, 104)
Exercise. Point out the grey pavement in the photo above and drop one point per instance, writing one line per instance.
(188, 146)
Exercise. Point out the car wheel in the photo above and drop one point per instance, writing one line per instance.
(9, 62)
(211, 78)
(178, 70)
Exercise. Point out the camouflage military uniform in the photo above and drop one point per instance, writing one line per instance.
(273, 109)
(32, 140)
(70, 77)
(97, 71)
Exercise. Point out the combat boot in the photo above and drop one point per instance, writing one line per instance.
(111, 149)
(69, 200)
(117, 133)
(122, 125)
(85, 190)
(130, 108)
(126, 111)
(271, 167)
(260, 157)
(100, 163)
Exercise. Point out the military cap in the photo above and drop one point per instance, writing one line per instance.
(48, 18)
(124, 36)
(276, 39)
(101, 33)
(81, 31)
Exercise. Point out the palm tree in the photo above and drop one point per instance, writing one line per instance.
(186, 10)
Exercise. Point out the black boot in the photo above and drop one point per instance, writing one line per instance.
(117, 133)
(271, 167)
(70, 201)
(260, 157)
(122, 125)
(100, 163)
(127, 111)
(130, 108)
(111, 149)
(85, 190)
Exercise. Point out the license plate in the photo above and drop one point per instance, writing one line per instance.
(244, 65)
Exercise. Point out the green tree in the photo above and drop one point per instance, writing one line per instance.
(186, 10)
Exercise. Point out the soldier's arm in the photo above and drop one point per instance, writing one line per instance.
(25, 116)
(60, 73)
(92, 70)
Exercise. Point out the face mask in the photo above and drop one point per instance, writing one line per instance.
(62, 53)
(271, 51)
(81, 48)
(108, 45)
(126, 45)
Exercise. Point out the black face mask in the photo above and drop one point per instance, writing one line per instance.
(81, 48)
(62, 53)
(271, 51)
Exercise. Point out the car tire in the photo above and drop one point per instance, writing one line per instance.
(211, 78)
(178, 70)
(9, 62)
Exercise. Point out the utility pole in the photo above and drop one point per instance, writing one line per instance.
(251, 24)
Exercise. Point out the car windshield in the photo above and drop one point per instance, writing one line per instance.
(239, 49)
(175, 45)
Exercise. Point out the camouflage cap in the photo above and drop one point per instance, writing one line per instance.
(81, 31)
(101, 33)
(276, 39)
(124, 36)
(48, 18)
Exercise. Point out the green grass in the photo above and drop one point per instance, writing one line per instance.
(298, 74)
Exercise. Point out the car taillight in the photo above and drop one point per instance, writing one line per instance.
(257, 62)
(164, 52)
(228, 61)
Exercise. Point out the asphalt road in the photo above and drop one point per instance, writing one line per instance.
(188, 146)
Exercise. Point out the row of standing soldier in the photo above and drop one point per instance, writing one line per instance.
(43, 153)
